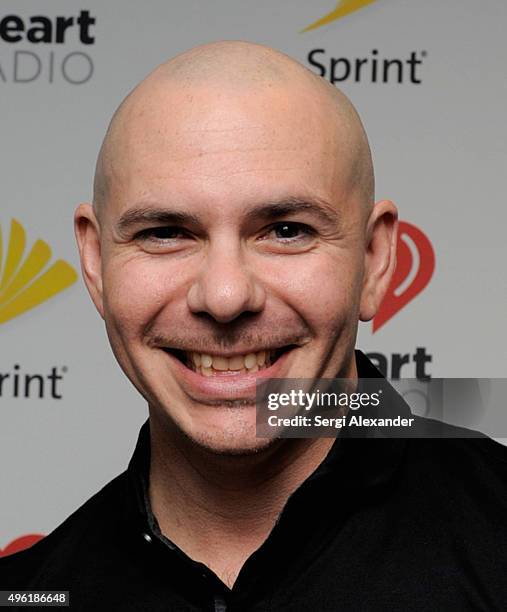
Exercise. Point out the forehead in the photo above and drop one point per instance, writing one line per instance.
(206, 145)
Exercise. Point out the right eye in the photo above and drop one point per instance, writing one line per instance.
(162, 233)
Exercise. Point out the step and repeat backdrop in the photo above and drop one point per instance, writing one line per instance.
(429, 80)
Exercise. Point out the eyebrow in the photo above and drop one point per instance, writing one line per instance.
(268, 212)
(152, 214)
(289, 206)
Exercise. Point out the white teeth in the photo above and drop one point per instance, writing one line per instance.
(250, 360)
(206, 361)
(236, 363)
(206, 364)
(220, 363)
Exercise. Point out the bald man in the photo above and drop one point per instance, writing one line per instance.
(233, 238)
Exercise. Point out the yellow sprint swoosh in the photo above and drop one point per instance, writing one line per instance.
(24, 285)
(343, 8)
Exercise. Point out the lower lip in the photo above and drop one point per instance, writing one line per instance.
(241, 386)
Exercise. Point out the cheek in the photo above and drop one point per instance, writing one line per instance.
(134, 292)
(324, 289)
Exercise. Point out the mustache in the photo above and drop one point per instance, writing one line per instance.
(228, 340)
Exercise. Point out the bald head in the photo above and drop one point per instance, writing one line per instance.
(228, 70)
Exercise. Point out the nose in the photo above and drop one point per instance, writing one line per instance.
(225, 287)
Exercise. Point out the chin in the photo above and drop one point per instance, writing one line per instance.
(230, 442)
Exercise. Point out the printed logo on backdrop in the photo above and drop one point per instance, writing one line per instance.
(343, 8)
(26, 281)
(372, 67)
(46, 48)
(20, 544)
(415, 265)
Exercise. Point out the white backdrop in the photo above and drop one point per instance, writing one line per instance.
(438, 139)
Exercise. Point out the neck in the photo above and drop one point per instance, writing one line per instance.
(220, 509)
(217, 508)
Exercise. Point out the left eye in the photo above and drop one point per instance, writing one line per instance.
(289, 231)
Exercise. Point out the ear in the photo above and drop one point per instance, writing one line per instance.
(87, 230)
(380, 257)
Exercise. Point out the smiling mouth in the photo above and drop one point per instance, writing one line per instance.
(207, 364)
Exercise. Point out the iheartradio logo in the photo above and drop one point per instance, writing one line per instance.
(415, 264)
(20, 544)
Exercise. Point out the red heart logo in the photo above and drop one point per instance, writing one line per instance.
(415, 264)
(20, 544)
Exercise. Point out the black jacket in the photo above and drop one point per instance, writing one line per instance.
(382, 524)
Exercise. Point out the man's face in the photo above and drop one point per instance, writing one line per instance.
(232, 248)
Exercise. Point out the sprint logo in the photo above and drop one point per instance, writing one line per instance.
(343, 8)
(27, 283)
(371, 67)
